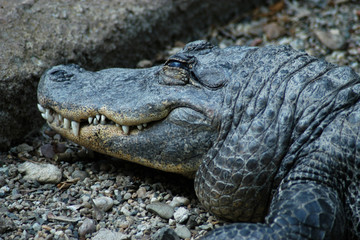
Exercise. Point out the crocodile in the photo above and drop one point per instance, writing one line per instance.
(270, 134)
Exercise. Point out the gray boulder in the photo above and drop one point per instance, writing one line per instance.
(35, 35)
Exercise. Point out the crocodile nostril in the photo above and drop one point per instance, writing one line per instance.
(58, 75)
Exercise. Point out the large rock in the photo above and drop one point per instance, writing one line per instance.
(35, 35)
(40, 172)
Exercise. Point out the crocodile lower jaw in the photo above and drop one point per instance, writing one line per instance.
(55, 118)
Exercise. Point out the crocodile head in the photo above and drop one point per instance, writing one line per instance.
(166, 117)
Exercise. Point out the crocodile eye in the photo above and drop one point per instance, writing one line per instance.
(177, 64)
(175, 72)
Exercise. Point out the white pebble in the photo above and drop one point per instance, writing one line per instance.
(104, 203)
(181, 215)
(41, 172)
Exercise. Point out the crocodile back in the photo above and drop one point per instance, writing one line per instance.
(277, 103)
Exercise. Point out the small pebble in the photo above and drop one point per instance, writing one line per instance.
(144, 64)
(332, 39)
(165, 233)
(181, 215)
(122, 223)
(274, 31)
(191, 223)
(127, 196)
(104, 203)
(24, 148)
(6, 224)
(182, 231)
(36, 226)
(79, 174)
(178, 201)
(161, 209)
(125, 210)
(208, 226)
(88, 226)
(105, 234)
(59, 234)
(47, 150)
(141, 192)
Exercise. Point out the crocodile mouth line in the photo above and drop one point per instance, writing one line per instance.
(53, 117)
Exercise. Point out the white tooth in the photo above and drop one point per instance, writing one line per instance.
(41, 109)
(144, 124)
(117, 125)
(98, 117)
(61, 118)
(75, 127)
(90, 120)
(126, 129)
(44, 116)
(66, 123)
(56, 120)
(95, 122)
(140, 127)
(49, 117)
(103, 118)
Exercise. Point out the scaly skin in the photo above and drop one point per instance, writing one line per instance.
(271, 133)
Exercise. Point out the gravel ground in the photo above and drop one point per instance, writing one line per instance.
(51, 188)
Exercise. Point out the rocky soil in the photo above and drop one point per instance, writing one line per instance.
(51, 188)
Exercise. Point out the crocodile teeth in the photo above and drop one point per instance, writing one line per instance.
(56, 120)
(75, 127)
(66, 123)
(103, 118)
(126, 129)
(41, 109)
(49, 117)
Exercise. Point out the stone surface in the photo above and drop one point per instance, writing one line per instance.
(274, 31)
(79, 174)
(105, 234)
(88, 226)
(333, 39)
(165, 233)
(24, 148)
(6, 224)
(141, 192)
(182, 231)
(43, 173)
(161, 209)
(35, 35)
(178, 201)
(104, 203)
(181, 215)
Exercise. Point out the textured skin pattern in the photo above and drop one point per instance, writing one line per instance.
(275, 132)
(289, 151)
